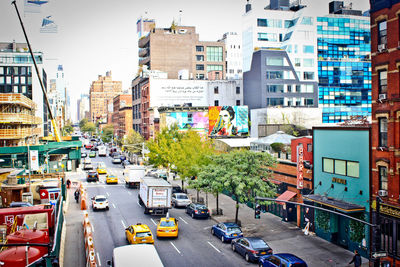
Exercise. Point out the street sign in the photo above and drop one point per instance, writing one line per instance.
(379, 254)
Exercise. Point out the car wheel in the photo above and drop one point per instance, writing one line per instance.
(260, 264)
(107, 208)
(247, 257)
(212, 231)
(233, 247)
(193, 215)
(222, 238)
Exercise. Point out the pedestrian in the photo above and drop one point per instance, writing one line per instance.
(76, 194)
(68, 183)
(356, 259)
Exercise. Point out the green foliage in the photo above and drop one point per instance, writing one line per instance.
(322, 219)
(278, 147)
(89, 128)
(108, 133)
(67, 130)
(357, 229)
(82, 123)
(133, 142)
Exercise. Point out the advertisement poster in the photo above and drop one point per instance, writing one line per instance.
(34, 157)
(228, 121)
(197, 121)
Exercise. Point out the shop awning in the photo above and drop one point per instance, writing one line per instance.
(335, 203)
(287, 195)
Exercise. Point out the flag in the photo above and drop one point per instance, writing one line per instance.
(48, 25)
(33, 6)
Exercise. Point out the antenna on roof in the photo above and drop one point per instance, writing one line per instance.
(180, 17)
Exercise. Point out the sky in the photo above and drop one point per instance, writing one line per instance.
(95, 36)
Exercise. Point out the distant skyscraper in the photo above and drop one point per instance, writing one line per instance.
(234, 59)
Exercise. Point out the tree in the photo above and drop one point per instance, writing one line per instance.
(67, 130)
(243, 173)
(133, 142)
(108, 133)
(82, 123)
(89, 128)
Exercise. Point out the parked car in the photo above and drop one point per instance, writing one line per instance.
(83, 155)
(196, 210)
(15, 204)
(226, 231)
(139, 234)
(101, 168)
(251, 248)
(87, 166)
(177, 189)
(92, 154)
(116, 160)
(94, 148)
(180, 200)
(281, 259)
(92, 176)
(99, 202)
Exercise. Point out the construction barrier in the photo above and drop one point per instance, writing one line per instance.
(89, 243)
(83, 199)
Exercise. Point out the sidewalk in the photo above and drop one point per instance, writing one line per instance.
(281, 236)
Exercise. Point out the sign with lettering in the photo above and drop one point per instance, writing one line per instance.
(300, 167)
(339, 180)
(389, 210)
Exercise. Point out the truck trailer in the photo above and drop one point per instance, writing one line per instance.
(155, 195)
(133, 174)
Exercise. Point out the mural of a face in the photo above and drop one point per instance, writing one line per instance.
(225, 116)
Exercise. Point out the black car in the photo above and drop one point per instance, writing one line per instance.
(251, 248)
(197, 210)
(92, 176)
(177, 189)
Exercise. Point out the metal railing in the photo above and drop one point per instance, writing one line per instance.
(17, 99)
(18, 118)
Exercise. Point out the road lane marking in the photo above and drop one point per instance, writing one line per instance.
(123, 224)
(114, 206)
(98, 259)
(104, 186)
(175, 247)
(183, 220)
(208, 227)
(129, 193)
(213, 247)
(153, 221)
(108, 194)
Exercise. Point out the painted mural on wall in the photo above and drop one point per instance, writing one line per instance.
(197, 121)
(228, 121)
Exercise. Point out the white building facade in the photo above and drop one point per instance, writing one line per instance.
(234, 58)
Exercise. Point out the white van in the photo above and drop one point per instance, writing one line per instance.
(144, 255)
(102, 151)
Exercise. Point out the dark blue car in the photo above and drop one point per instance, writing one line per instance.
(281, 259)
(226, 231)
(197, 210)
(251, 248)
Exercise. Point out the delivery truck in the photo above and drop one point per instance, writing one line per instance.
(133, 174)
(155, 195)
(102, 151)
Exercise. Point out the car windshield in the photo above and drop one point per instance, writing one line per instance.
(92, 173)
(167, 223)
(101, 199)
(201, 207)
(143, 234)
(259, 244)
(234, 230)
(111, 176)
(181, 197)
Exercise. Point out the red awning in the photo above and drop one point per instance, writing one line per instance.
(287, 195)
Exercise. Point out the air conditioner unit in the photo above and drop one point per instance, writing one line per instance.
(382, 97)
(382, 193)
(381, 47)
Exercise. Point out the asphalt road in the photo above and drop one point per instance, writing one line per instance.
(195, 245)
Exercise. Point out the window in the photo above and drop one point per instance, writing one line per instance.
(308, 75)
(383, 179)
(272, 37)
(382, 81)
(309, 102)
(199, 67)
(297, 62)
(274, 75)
(382, 32)
(309, 147)
(327, 165)
(237, 102)
(308, 49)
(215, 89)
(199, 48)
(214, 53)
(383, 132)
(340, 167)
(275, 61)
(353, 169)
(274, 101)
(275, 88)
(216, 103)
(275, 23)
(298, 88)
(307, 21)
(237, 90)
(199, 76)
(214, 67)
(199, 57)
(289, 88)
(308, 62)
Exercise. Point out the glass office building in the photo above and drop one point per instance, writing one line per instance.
(344, 67)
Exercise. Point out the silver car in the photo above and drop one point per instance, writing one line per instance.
(180, 200)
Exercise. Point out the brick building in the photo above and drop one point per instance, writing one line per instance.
(122, 115)
(385, 165)
(100, 91)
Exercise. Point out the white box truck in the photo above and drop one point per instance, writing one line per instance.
(133, 174)
(135, 255)
(155, 195)
(102, 151)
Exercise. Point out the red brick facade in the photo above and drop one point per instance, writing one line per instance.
(307, 151)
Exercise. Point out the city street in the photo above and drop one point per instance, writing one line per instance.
(194, 246)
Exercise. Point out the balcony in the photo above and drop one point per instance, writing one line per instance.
(17, 99)
(143, 41)
(18, 133)
(143, 52)
(18, 118)
(144, 60)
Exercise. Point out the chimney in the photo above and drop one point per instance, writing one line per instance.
(14, 46)
(248, 6)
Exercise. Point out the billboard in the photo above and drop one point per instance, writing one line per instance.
(197, 121)
(228, 121)
(34, 160)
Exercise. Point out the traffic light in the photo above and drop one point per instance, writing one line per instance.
(257, 211)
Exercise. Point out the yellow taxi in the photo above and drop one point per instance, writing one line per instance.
(139, 234)
(167, 227)
(111, 179)
(101, 168)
